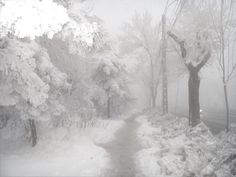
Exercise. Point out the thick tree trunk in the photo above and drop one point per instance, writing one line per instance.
(226, 106)
(33, 132)
(194, 106)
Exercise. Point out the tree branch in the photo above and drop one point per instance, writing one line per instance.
(204, 60)
(231, 73)
(181, 44)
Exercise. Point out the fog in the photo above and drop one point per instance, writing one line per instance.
(115, 13)
(118, 88)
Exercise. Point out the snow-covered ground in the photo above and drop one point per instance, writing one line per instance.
(60, 152)
(167, 148)
(173, 149)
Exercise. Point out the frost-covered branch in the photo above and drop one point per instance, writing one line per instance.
(231, 73)
(180, 42)
(32, 19)
(203, 55)
(206, 57)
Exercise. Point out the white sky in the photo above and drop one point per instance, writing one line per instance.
(116, 12)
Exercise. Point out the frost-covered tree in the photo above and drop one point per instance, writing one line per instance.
(111, 78)
(195, 31)
(216, 18)
(223, 20)
(194, 62)
(33, 18)
(142, 36)
(79, 68)
(29, 80)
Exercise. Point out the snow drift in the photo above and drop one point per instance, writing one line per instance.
(175, 150)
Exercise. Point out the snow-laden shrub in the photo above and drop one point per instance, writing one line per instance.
(184, 151)
(199, 148)
(224, 161)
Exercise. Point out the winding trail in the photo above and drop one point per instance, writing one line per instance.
(123, 148)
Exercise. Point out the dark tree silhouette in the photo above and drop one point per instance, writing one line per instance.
(193, 68)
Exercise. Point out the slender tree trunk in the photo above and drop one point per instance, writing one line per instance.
(33, 132)
(164, 70)
(190, 99)
(108, 105)
(226, 106)
(153, 101)
(224, 65)
(152, 87)
(194, 106)
(152, 96)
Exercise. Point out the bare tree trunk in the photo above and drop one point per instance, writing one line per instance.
(108, 105)
(153, 101)
(152, 86)
(226, 106)
(33, 132)
(154, 98)
(194, 106)
(164, 70)
(223, 65)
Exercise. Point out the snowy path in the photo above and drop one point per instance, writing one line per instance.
(123, 148)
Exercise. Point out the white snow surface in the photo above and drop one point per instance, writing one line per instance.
(172, 149)
(60, 152)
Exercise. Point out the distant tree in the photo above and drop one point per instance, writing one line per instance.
(142, 36)
(110, 76)
(224, 27)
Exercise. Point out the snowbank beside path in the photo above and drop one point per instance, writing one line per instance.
(56, 158)
(61, 152)
(172, 149)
